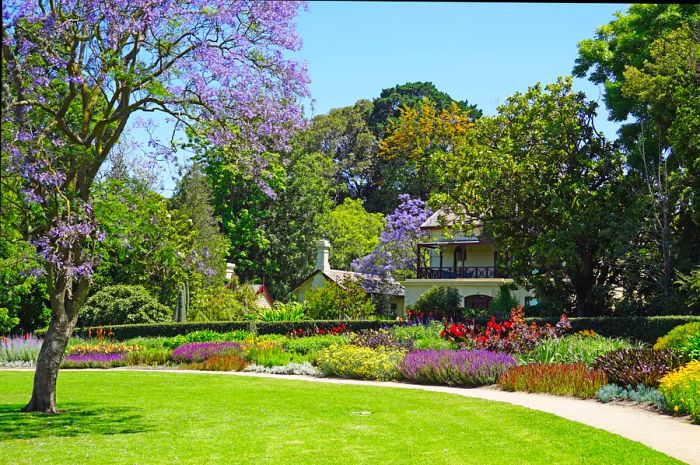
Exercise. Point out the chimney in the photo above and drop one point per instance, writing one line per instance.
(323, 251)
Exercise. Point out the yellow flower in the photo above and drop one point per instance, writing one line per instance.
(675, 408)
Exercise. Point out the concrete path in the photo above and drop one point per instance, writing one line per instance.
(672, 436)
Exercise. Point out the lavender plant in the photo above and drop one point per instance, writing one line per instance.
(455, 367)
(94, 361)
(19, 348)
(200, 351)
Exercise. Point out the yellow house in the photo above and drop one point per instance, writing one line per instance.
(373, 285)
(464, 261)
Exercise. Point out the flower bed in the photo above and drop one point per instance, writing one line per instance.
(681, 389)
(564, 379)
(455, 367)
(197, 352)
(638, 366)
(349, 361)
(24, 349)
(93, 361)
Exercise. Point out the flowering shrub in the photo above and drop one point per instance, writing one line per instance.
(638, 366)
(335, 330)
(375, 338)
(455, 367)
(200, 351)
(681, 389)
(677, 337)
(573, 349)
(513, 336)
(564, 379)
(93, 360)
(23, 348)
(360, 362)
(103, 348)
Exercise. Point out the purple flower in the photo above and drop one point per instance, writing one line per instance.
(200, 351)
(93, 360)
(455, 367)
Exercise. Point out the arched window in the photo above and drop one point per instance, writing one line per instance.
(479, 301)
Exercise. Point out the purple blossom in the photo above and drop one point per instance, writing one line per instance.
(200, 351)
(455, 367)
(94, 360)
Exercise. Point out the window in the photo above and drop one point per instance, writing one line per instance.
(479, 301)
(394, 308)
(460, 256)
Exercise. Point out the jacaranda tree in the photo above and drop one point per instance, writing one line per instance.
(75, 72)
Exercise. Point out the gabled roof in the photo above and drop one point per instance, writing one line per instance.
(440, 219)
(372, 284)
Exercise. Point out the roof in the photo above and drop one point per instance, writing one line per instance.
(440, 219)
(372, 284)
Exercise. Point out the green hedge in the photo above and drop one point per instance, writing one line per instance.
(123, 332)
(646, 329)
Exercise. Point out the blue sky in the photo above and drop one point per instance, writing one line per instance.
(475, 51)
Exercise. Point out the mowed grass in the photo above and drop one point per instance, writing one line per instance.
(122, 417)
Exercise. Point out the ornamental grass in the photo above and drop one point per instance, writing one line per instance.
(562, 379)
(455, 367)
(681, 390)
(225, 362)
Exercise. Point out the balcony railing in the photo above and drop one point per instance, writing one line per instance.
(448, 272)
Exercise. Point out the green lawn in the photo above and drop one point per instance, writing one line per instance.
(118, 417)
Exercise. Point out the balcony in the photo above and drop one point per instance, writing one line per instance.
(462, 272)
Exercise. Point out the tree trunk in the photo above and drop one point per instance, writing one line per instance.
(64, 316)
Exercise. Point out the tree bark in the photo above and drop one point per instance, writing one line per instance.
(64, 316)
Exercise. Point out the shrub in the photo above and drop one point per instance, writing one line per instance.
(305, 368)
(374, 338)
(200, 351)
(440, 302)
(638, 366)
(123, 304)
(563, 379)
(311, 345)
(23, 348)
(7, 321)
(573, 349)
(292, 311)
(349, 361)
(455, 367)
(222, 303)
(225, 362)
(503, 301)
(681, 389)
(268, 353)
(149, 357)
(691, 348)
(423, 336)
(93, 361)
(102, 347)
(677, 337)
(641, 394)
(344, 301)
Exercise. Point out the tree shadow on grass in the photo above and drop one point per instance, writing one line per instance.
(77, 419)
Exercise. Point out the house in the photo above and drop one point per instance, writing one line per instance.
(262, 296)
(323, 275)
(464, 261)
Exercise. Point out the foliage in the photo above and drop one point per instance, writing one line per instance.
(305, 369)
(123, 304)
(561, 379)
(222, 303)
(503, 302)
(312, 344)
(678, 336)
(681, 389)
(638, 366)
(223, 362)
(93, 361)
(691, 348)
(291, 311)
(374, 338)
(267, 353)
(640, 394)
(7, 322)
(352, 232)
(395, 255)
(423, 336)
(149, 357)
(573, 349)
(455, 367)
(348, 361)
(440, 302)
(200, 351)
(345, 300)
(23, 348)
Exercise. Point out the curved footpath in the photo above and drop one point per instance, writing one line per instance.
(672, 436)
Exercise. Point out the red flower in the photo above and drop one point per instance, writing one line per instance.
(506, 324)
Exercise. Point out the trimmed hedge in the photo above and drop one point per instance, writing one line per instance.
(646, 329)
(123, 332)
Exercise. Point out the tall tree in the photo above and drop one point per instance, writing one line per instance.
(75, 72)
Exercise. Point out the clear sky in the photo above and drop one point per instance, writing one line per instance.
(475, 51)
